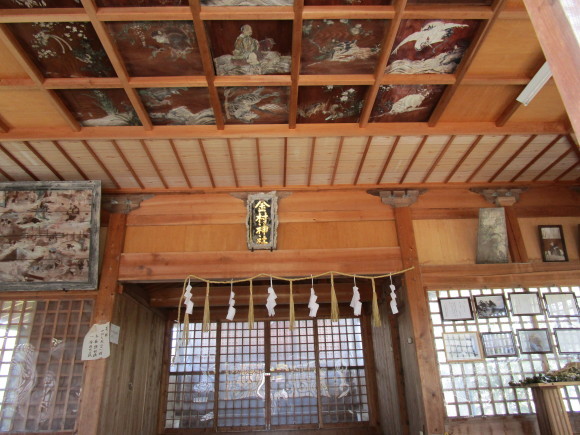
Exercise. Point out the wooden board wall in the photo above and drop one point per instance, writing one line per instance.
(133, 378)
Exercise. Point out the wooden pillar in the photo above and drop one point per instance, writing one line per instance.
(95, 371)
(550, 410)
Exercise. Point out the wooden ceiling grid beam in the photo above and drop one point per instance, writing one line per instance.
(535, 159)
(285, 170)
(18, 162)
(180, 163)
(459, 12)
(116, 61)
(100, 163)
(463, 158)
(213, 13)
(386, 47)
(551, 165)
(438, 159)
(43, 160)
(259, 161)
(70, 160)
(206, 161)
(311, 164)
(388, 160)
(337, 160)
(465, 63)
(489, 156)
(358, 13)
(567, 171)
(415, 155)
(32, 71)
(295, 68)
(207, 62)
(3, 126)
(147, 13)
(508, 112)
(362, 160)
(512, 158)
(154, 163)
(45, 15)
(232, 162)
(127, 164)
(5, 175)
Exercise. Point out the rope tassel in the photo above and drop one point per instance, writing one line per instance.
(334, 312)
(292, 314)
(251, 307)
(206, 325)
(375, 306)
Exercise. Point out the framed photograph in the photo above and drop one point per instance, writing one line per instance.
(568, 340)
(462, 346)
(492, 239)
(456, 309)
(561, 304)
(552, 243)
(534, 341)
(487, 306)
(525, 304)
(496, 344)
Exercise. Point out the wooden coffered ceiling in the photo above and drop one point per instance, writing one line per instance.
(166, 95)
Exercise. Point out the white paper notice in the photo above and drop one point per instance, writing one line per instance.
(96, 343)
(114, 331)
(312, 303)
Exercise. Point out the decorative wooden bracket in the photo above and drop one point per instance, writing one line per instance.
(123, 204)
(501, 197)
(398, 198)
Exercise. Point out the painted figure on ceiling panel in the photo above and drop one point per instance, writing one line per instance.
(430, 46)
(330, 103)
(259, 105)
(22, 4)
(178, 106)
(405, 103)
(247, 2)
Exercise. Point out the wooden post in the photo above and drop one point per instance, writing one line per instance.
(95, 371)
(428, 378)
(550, 410)
(515, 239)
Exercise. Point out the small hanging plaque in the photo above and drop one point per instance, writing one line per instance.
(262, 220)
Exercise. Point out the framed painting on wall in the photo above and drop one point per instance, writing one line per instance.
(488, 306)
(561, 304)
(497, 344)
(49, 235)
(525, 304)
(462, 346)
(534, 341)
(552, 243)
(456, 309)
(568, 339)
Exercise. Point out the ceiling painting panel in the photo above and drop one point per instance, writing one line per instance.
(430, 46)
(140, 3)
(64, 49)
(346, 2)
(330, 103)
(29, 4)
(451, 2)
(178, 106)
(341, 46)
(247, 2)
(405, 103)
(157, 48)
(250, 47)
(255, 105)
(100, 107)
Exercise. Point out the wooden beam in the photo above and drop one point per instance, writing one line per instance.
(312, 149)
(18, 162)
(127, 164)
(232, 163)
(438, 159)
(6, 175)
(95, 371)
(148, 13)
(536, 158)
(516, 243)
(247, 13)
(43, 160)
(556, 26)
(285, 162)
(362, 160)
(567, 171)
(180, 163)
(100, 163)
(172, 266)
(508, 113)
(70, 160)
(489, 156)
(463, 158)
(512, 158)
(428, 385)
(417, 151)
(259, 161)
(207, 167)
(3, 126)
(48, 15)
(551, 165)
(295, 69)
(352, 13)
(336, 161)
(388, 160)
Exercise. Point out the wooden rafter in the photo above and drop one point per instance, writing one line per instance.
(259, 161)
(232, 162)
(388, 160)
(489, 156)
(415, 155)
(43, 160)
(512, 158)
(362, 160)
(463, 158)
(180, 163)
(5, 175)
(206, 161)
(154, 163)
(70, 160)
(554, 163)
(285, 170)
(336, 160)
(100, 163)
(19, 163)
(295, 70)
(508, 113)
(3, 126)
(466, 62)
(567, 171)
(127, 164)
(536, 158)
(438, 159)
(311, 164)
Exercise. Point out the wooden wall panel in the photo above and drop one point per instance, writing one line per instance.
(514, 425)
(547, 105)
(39, 111)
(133, 378)
(530, 233)
(446, 241)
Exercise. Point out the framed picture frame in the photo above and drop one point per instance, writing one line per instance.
(567, 339)
(552, 243)
(455, 309)
(561, 304)
(498, 344)
(490, 306)
(462, 346)
(534, 341)
(525, 304)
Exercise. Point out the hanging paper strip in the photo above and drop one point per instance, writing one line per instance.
(394, 308)
(355, 302)
(375, 306)
(232, 303)
(271, 301)
(251, 307)
(312, 305)
(334, 312)
(205, 325)
(292, 314)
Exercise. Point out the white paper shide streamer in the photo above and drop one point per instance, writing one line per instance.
(312, 305)
(271, 301)
(355, 302)
(231, 309)
(394, 308)
(187, 298)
